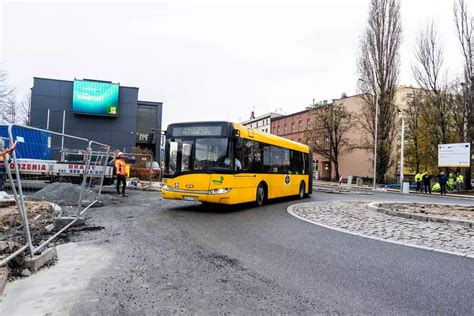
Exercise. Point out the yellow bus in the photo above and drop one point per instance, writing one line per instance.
(227, 163)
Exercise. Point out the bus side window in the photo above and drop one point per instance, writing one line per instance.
(276, 159)
(267, 164)
(250, 155)
(296, 162)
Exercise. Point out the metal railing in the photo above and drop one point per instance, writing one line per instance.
(39, 159)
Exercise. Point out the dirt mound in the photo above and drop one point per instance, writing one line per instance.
(64, 194)
(12, 238)
(40, 214)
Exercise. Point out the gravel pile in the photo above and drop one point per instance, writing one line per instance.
(64, 194)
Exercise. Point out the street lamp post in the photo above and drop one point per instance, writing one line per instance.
(402, 145)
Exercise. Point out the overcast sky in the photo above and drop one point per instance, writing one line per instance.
(208, 60)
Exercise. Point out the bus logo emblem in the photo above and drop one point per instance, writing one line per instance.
(287, 179)
(220, 181)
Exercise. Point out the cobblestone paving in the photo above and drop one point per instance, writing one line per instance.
(354, 216)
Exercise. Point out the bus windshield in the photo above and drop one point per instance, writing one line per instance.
(196, 154)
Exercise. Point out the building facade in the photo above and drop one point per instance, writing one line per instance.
(137, 123)
(297, 126)
(261, 123)
(356, 159)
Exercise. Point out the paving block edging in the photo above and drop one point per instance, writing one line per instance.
(290, 210)
(424, 218)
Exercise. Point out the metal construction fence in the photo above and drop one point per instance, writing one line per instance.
(143, 168)
(43, 168)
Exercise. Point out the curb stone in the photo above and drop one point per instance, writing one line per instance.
(4, 271)
(291, 211)
(342, 192)
(424, 218)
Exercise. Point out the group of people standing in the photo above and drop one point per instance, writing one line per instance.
(443, 185)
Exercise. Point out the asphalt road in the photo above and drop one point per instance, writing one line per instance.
(181, 257)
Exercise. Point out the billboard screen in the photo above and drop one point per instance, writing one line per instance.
(95, 98)
(454, 155)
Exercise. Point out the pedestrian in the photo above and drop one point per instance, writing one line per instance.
(120, 169)
(427, 182)
(442, 179)
(4, 160)
(451, 182)
(459, 181)
(418, 178)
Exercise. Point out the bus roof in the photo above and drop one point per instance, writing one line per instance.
(246, 132)
(271, 139)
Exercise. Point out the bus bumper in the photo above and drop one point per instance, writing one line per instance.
(225, 198)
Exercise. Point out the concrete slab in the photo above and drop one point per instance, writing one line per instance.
(56, 289)
(60, 222)
(3, 278)
(37, 262)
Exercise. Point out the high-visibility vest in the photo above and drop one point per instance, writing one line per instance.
(120, 167)
(4, 157)
(418, 177)
(460, 179)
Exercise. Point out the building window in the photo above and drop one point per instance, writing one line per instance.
(326, 143)
(292, 127)
(278, 133)
(308, 123)
(300, 125)
(299, 140)
(285, 129)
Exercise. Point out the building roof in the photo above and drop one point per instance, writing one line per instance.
(64, 80)
(261, 117)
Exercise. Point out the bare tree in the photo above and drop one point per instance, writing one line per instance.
(378, 67)
(6, 91)
(427, 73)
(14, 111)
(414, 132)
(465, 30)
(327, 135)
(9, 109)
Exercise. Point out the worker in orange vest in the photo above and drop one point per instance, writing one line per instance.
(121, 172)
(4, 160)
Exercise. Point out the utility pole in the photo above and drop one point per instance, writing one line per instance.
(402, 145)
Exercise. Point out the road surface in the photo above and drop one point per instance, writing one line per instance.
(172, 256)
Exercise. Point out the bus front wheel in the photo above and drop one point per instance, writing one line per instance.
(260, 194)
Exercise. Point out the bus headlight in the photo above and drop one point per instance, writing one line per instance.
(166, 187)
(219, 191)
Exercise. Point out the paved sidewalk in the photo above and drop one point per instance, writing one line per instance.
(355, 217)
(328, 184)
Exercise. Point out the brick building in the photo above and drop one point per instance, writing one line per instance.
(356, 162)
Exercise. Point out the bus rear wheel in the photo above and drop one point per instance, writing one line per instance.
(260, 199)
(302, 193)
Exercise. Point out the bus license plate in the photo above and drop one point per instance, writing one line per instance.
(189, 198)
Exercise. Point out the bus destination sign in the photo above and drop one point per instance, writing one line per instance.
(197, 131)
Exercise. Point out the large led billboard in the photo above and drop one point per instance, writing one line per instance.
(95, 98)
